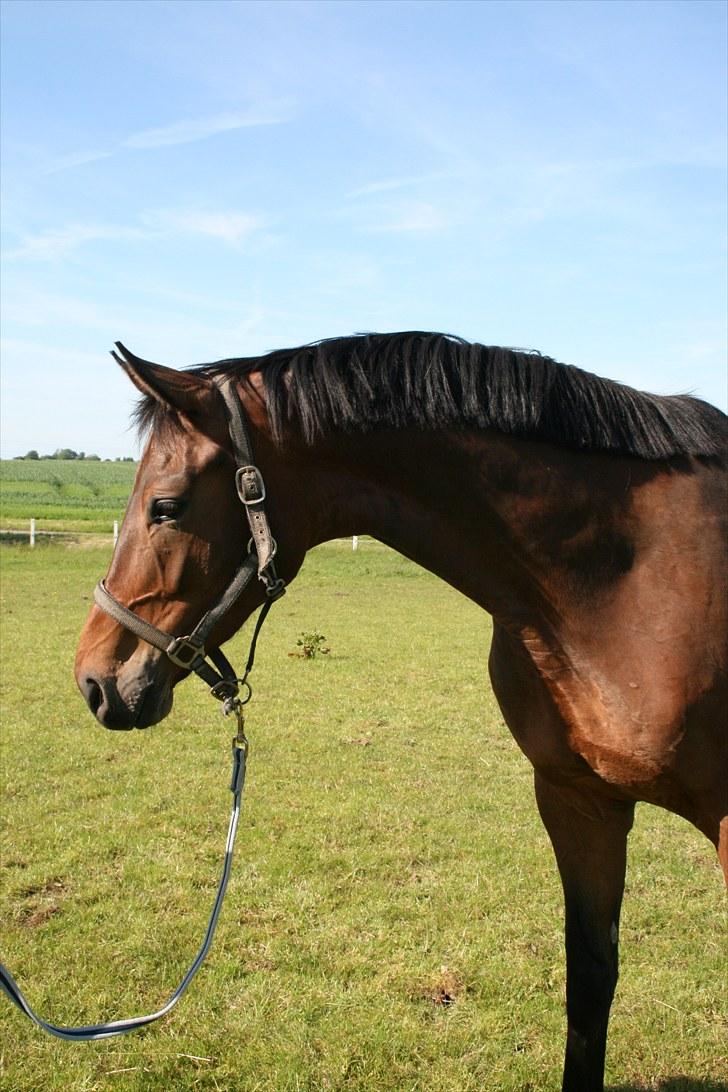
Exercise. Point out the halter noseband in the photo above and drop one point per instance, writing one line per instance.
(189, 652)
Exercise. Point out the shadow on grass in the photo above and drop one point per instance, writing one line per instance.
(672, 1084)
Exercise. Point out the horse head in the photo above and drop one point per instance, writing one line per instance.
(181, 543)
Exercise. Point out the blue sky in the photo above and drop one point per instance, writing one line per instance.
(202, 180)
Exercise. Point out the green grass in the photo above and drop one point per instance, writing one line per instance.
(73, 495)
(389, 854)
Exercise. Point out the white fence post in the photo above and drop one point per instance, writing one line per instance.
(355, 542)
(32, 532)
(116, 531)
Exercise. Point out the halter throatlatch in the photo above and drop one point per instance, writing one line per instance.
(189, 653)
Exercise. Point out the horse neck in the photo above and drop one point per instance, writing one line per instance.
(509, 522)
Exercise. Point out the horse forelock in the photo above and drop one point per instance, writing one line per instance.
(156, 420)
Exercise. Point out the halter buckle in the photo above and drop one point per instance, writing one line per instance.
(250, 485)
(183, 652)
(226, 691)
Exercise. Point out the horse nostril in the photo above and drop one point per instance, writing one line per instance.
(106, 704)
(113, 709)
(94, 695)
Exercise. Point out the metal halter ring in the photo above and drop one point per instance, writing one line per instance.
(253, 549)
(229, 690)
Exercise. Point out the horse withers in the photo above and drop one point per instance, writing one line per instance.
(589, 519)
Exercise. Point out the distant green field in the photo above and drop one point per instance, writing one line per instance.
(64, 495)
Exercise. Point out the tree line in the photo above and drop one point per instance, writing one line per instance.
(69, 453)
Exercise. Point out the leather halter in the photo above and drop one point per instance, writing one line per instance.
(189, 652)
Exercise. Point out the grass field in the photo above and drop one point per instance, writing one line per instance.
(64, 495)
(394, 918)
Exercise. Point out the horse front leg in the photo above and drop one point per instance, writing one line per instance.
(590, 844)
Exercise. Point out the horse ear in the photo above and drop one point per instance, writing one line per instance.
(183, 391)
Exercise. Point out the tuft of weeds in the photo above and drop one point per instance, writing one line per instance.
(312, 644)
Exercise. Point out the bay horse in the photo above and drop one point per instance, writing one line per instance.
(587, 518)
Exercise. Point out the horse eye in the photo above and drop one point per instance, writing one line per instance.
(166, 509)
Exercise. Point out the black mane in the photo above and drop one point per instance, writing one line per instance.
(432, 381)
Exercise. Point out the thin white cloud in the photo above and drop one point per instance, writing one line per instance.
(186, 131)
(75, 159)
(51, 245)
(230, 227)
(190, 130)
(57, 243)
(417, 217)
(386, 185)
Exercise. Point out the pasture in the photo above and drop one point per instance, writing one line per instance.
(68, 495)
(394, 920)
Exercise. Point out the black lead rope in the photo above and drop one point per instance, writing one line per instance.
(121, 1027)
(241, 747)
(189, 653)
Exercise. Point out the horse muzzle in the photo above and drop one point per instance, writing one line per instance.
(120, 706)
